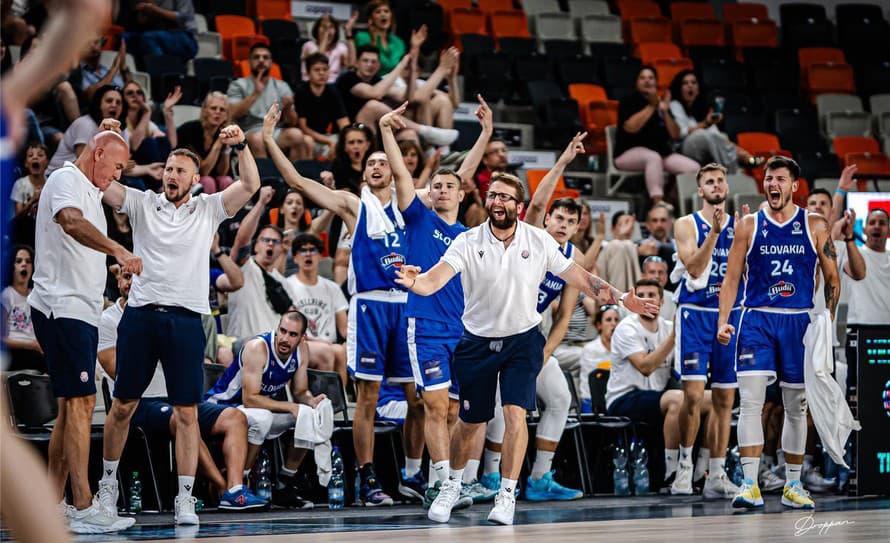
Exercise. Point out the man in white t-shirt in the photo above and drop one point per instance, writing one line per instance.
(173, 232)
(642, 353)
(320, 300)
(501, 264)
(655, 267)
(66, 304)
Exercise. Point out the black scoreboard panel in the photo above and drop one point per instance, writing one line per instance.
(873, 395)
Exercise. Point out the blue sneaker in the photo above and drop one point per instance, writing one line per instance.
(242, 500)
(492, 481)
(371, 493)
(413, 487)
(546, 489)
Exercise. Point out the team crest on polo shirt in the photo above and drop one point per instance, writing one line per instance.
(84, 377)
(524, 253)
(466, 405)
(481, 254)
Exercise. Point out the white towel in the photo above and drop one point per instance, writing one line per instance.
(692, 283)
(313, 430)
(378, 222)
(829, 408)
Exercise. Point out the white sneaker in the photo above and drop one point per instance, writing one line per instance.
(185, 510)
(504, 506)
(719, 487)
(438, 136)
(66, 511)
(440, 509)
(770, 481)
(97, 520)
(683, 480)
(815, 482)
(107, 496)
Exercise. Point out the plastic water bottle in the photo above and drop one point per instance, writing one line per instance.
(135, 493)
(263, 483)
(734, 466)
(620, 476)
(358, 487)
(336, 485)
(640, 462)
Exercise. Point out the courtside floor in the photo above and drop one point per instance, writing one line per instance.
(652, 519)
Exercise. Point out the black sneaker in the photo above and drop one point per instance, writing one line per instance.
(371, 493)
(290, 498)
(413, 487)
(666, 485)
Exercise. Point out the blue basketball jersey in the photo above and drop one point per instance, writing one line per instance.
(709, 296)
(428, 238)
(781, 264)
(552, 285)
(7, 179)
(276, 375)
(373, 263)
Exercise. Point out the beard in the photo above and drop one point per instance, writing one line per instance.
(503, 224)
(717, 200)
(783, 201)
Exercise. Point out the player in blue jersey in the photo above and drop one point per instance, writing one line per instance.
(376, 341)
(434, 322)
(776, 251)
(703, 241)
(255, 383)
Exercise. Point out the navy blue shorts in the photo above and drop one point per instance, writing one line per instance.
(638, 405)
(771, 344)
(69, 346)
(700, 352)
(153, 415)
(480, 362)
(175, 336)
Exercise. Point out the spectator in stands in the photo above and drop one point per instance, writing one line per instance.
(699, 122)
(161, 27)
(320, 300)
(363, 90)
(18, 332)
(617, 261)
(25, 194)
(420, 168)
(598, 353)
(642, 351)
(326, 41)
(646, 131)
(354, 144)
(660, 224)
(655, 267)
(91, 74)
(249, 99)
(201, 136)
(320, 107)
(494, 160)
(381, 33)
(430, 105)
(106, 103)
(148, 143)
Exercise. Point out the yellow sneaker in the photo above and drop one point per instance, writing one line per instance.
(795, 496)
(748, 497)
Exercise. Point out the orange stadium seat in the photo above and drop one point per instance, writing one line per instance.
(490, 6)
(759, 143)
(830, 78)
(508, 24)
(668, 68)
(876, 164)
(701, 32)
(467, 21)
(681, 11)
(643, 29)
(534, 177)
(270, 9)
(233, 25)
(243, 66)
(744, 12)
(648, 52)
(638, 8)
(597, 112)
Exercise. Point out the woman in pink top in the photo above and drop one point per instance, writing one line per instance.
(326, 40)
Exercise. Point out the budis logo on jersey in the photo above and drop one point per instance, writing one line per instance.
(392, 260)
(781, 289)
(713, 290)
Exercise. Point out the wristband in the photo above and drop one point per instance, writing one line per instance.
(848, 240)
(240, 146)
(842, 192)
(623, 297)
(218, 253)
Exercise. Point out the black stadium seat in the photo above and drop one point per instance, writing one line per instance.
(798, 130)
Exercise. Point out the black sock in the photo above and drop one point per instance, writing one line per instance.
(367, 470)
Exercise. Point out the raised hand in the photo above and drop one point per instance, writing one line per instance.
(270, 121)
(266, 194)
(717, 221)
(574, 147)
(394, 119)
(156, 170)
(418, 37)
(351, 22)
(260, 80)
(625, 226)
(110, 124)
(449, 59)
(173, 98)
(231, 135)
(601, 226)
(845, 183)
(483, 113)
(665, 103)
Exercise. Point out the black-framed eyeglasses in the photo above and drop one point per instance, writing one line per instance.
(500, 196)
(271, 241)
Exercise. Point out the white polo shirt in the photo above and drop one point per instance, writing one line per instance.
(69, 278)
(501, 284)
(630, 337)
(174, 245)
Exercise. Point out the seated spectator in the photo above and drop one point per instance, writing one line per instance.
(294, 219)
(18, 332)
(363, 91)
(161, 27)
(251, 97)
(91, 74)
(655, 268)
(320, 300)
(225, 277)
(202, 137)
(597, 354)
(326, 41)
(255, 383)
(420, 168)
(319, 106)
(381, 35)
(429, 104)
(699, 123)
(646, 131)
(354, 144)
(148, 143)
(25, 194)
(660, 242)
(617, 261)
(642, 352)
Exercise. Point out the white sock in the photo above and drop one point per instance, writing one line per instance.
(412, 466)
(792, 472)
(456, 474)
(109, 470)
(716, 466)
(246, 473)
(441, 470)
(751, 467)
(508, 484)
(236, 488)
(471, 471)
(685, 454)
(186, 485)
(701, 463)
(543, 461)
(671, 457)
(492, 461)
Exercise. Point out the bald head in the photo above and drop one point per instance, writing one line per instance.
(104, 158)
